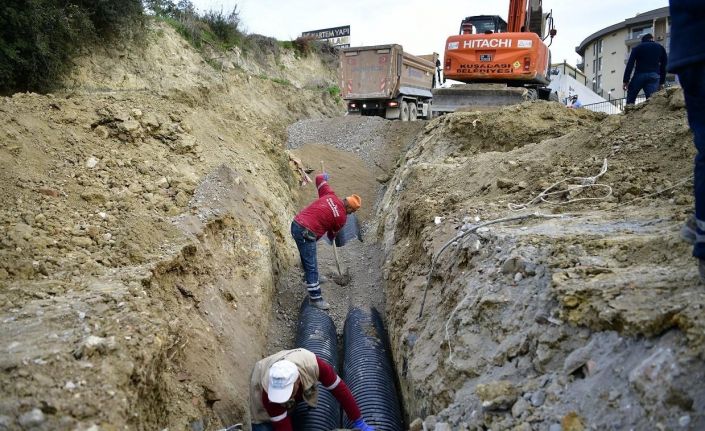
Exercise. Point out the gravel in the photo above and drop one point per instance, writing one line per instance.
(362, 136)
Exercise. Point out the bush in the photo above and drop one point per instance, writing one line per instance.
(334, 90)
(38, 38)
(225, 28)
(304, 45)
(215, 29)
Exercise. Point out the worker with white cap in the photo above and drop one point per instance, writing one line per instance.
(279, 381)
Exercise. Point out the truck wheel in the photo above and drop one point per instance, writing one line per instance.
(404, 114)
(412, 112)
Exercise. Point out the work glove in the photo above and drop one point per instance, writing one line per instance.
(325, 176)
(362, 426)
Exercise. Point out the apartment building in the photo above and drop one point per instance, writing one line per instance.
(567, 69)
(605, 53)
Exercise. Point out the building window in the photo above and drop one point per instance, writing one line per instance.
(638, 32)
(597, 48)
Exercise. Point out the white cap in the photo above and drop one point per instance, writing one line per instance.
(282, 376)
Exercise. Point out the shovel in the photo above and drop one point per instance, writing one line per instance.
(341, 279)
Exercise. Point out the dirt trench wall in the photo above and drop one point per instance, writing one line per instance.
(143, 225)
(587, 321)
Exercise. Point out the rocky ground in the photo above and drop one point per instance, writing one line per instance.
(589, 320)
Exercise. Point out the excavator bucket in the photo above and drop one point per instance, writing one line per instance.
(469, 97)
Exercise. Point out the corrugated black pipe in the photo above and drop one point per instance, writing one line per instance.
(316, 332)
(368, 371)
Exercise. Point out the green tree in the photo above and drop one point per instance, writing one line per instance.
(39, 38)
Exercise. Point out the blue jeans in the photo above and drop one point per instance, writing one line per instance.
(642, 81)
(309, 261)
(262, 427)
(691, 79)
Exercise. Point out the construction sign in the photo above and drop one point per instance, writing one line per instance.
(335, 36)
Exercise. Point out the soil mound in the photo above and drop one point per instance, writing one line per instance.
(547, 321)
(143, 222)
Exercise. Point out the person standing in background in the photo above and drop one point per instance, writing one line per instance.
(648, 60)
(575, 103)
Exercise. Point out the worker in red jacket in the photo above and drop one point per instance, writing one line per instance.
(324, 216)
(281, 380)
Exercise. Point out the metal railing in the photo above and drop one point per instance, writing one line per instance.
(613, 106)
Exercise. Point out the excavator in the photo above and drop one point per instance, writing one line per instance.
(499, 62)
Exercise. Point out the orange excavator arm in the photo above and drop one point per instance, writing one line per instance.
(517, 15)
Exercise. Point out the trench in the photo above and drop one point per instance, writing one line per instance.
(352, 333)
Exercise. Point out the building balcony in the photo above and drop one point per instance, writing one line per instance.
(663, 39)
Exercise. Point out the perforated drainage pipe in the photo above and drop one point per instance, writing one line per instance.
(316, 332)
(368, 370)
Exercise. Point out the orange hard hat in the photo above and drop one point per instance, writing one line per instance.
(354, 202)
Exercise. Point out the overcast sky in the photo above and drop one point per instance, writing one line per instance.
(421, 26)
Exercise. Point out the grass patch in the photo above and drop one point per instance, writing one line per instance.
(334, 92)
(279, 81)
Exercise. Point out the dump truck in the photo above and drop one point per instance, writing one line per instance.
(385, 81)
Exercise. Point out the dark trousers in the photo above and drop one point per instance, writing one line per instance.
(262, 427)
(307, 252)
(691, 79)
(642, 81)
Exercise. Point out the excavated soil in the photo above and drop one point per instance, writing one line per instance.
(143, 227)
(590, 319)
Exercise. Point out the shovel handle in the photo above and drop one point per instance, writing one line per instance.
(337, 259)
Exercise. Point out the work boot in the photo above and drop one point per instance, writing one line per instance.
(688, 230)
(321, 304)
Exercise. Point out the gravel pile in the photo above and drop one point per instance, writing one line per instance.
(363, 136)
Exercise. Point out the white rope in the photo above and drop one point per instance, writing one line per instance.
(572, 189)
(450, 318)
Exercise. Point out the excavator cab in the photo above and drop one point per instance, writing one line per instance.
(483, 24)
